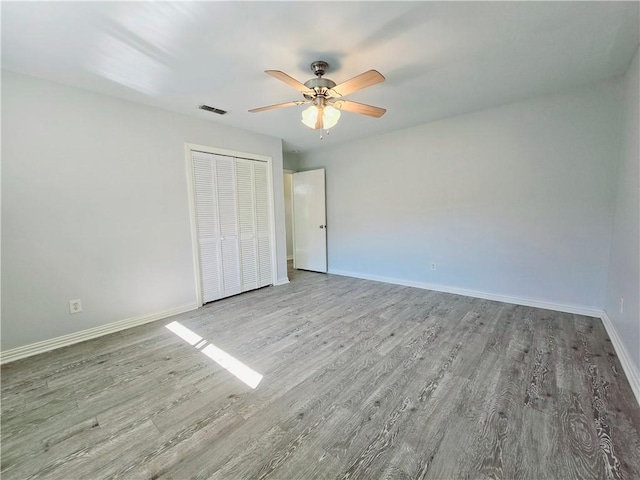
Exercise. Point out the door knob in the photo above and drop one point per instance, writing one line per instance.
(323, 226)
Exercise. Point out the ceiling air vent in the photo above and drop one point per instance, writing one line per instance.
(213, 109)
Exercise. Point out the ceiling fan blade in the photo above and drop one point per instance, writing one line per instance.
(358, 82)
(283, 77)
(278, 105)
(319, 123)
(361, 108)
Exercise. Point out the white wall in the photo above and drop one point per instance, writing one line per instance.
(288, 213)
(624, 270)
(513, 201)
(95, 207)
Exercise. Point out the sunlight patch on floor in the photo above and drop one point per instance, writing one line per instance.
(222, 358)
(184, 333)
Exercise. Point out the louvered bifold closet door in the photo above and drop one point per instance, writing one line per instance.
(263, 222)
(207, 225)
(227, 208)
(247, 224)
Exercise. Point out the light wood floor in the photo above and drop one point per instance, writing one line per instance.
(361, 380)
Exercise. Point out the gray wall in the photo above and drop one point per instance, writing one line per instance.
(290, 161)
(514, 201)
(95, 207)
(624, 270)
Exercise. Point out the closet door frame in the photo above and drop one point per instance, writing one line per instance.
(188, 148)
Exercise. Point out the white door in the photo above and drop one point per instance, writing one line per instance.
(233, 224)
(208, 226)
(217, 225)
(309, 221)
(247, 222)
(255, 223)
(228, 215)
(263, 223)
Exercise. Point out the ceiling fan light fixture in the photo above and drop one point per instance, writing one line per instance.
(330, 116)
(309, 116)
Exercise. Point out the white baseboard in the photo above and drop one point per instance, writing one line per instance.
(282, 281)
(527, 302)
(290, 257)
(631, 371)
(77, 337)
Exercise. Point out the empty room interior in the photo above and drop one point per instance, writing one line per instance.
(320, 240)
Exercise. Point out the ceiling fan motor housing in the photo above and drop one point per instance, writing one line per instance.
(319, 85)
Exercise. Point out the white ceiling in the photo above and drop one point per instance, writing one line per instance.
(439, 58)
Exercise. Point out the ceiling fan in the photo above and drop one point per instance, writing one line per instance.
(325, 96)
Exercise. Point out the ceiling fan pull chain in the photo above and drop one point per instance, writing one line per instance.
(324, 132)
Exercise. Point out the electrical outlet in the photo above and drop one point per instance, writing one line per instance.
(75, 306)
(621, 304)
(434, 266)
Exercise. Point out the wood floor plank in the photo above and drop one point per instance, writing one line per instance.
(360, 380)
